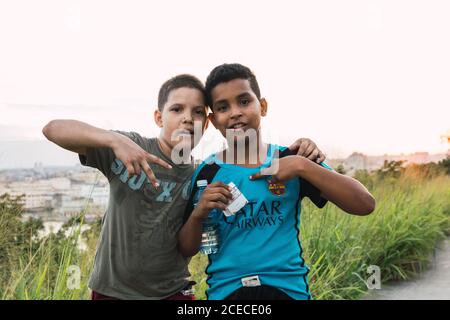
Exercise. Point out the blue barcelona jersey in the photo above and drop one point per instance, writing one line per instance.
(262, 239)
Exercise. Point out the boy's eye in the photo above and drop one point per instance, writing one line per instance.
(221, 108)
(176, 109)
(245, 102)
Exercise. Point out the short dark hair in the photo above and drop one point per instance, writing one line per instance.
(227, 72)
(179, 81)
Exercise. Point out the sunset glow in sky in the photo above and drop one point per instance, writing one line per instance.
(366, 76)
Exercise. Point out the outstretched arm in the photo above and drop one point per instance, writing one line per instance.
(78, 136)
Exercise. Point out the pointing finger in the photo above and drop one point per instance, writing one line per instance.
(156, 160)
(149, 173)
(130, 170)
(262, 174)
(137, 168)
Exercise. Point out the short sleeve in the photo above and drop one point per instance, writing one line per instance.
(99, 158)
(313, 193)
(102, 158)
(308, 190)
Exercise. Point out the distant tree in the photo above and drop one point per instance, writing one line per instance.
(16, 236)
(445, 164)
(391, 169)
(428, 170)
(14, 205)
(340, 169)
(29, 230)
(76, 220)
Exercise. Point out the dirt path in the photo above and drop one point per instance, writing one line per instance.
(432, 284)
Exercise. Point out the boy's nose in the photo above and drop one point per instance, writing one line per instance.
(187, 117)
(236, 112)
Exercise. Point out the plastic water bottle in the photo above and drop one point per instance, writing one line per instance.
(210, 232)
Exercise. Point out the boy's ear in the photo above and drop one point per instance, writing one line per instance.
(158, 118)
(263, 103)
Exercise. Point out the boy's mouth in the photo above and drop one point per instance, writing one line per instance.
(237, 126)
(187, 131)
(180, 133)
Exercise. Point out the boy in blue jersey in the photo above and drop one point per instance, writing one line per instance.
(260, 255)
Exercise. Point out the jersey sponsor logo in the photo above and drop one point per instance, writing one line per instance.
(267, 214)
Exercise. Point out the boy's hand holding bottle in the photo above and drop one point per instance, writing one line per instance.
(215, 196)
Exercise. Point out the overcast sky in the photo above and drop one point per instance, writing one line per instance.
(367, 76)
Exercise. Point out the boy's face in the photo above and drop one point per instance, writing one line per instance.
(236, 108)
(184, 109)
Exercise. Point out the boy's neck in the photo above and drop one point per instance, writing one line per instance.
(167, 149)
(248, 154)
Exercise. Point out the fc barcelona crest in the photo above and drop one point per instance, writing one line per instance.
(276, 187)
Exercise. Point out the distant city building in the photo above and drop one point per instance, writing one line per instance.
(358, 161)
(54, 194)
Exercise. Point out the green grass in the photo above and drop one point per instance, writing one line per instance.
(43, 272)
(33, 268)
(398, 237)
(412, 215)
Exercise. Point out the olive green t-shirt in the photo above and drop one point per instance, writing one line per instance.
(137, 256)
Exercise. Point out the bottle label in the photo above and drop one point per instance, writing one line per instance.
(237, 202)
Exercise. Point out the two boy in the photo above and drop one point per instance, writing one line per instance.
(137, 255)
(260, 254)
